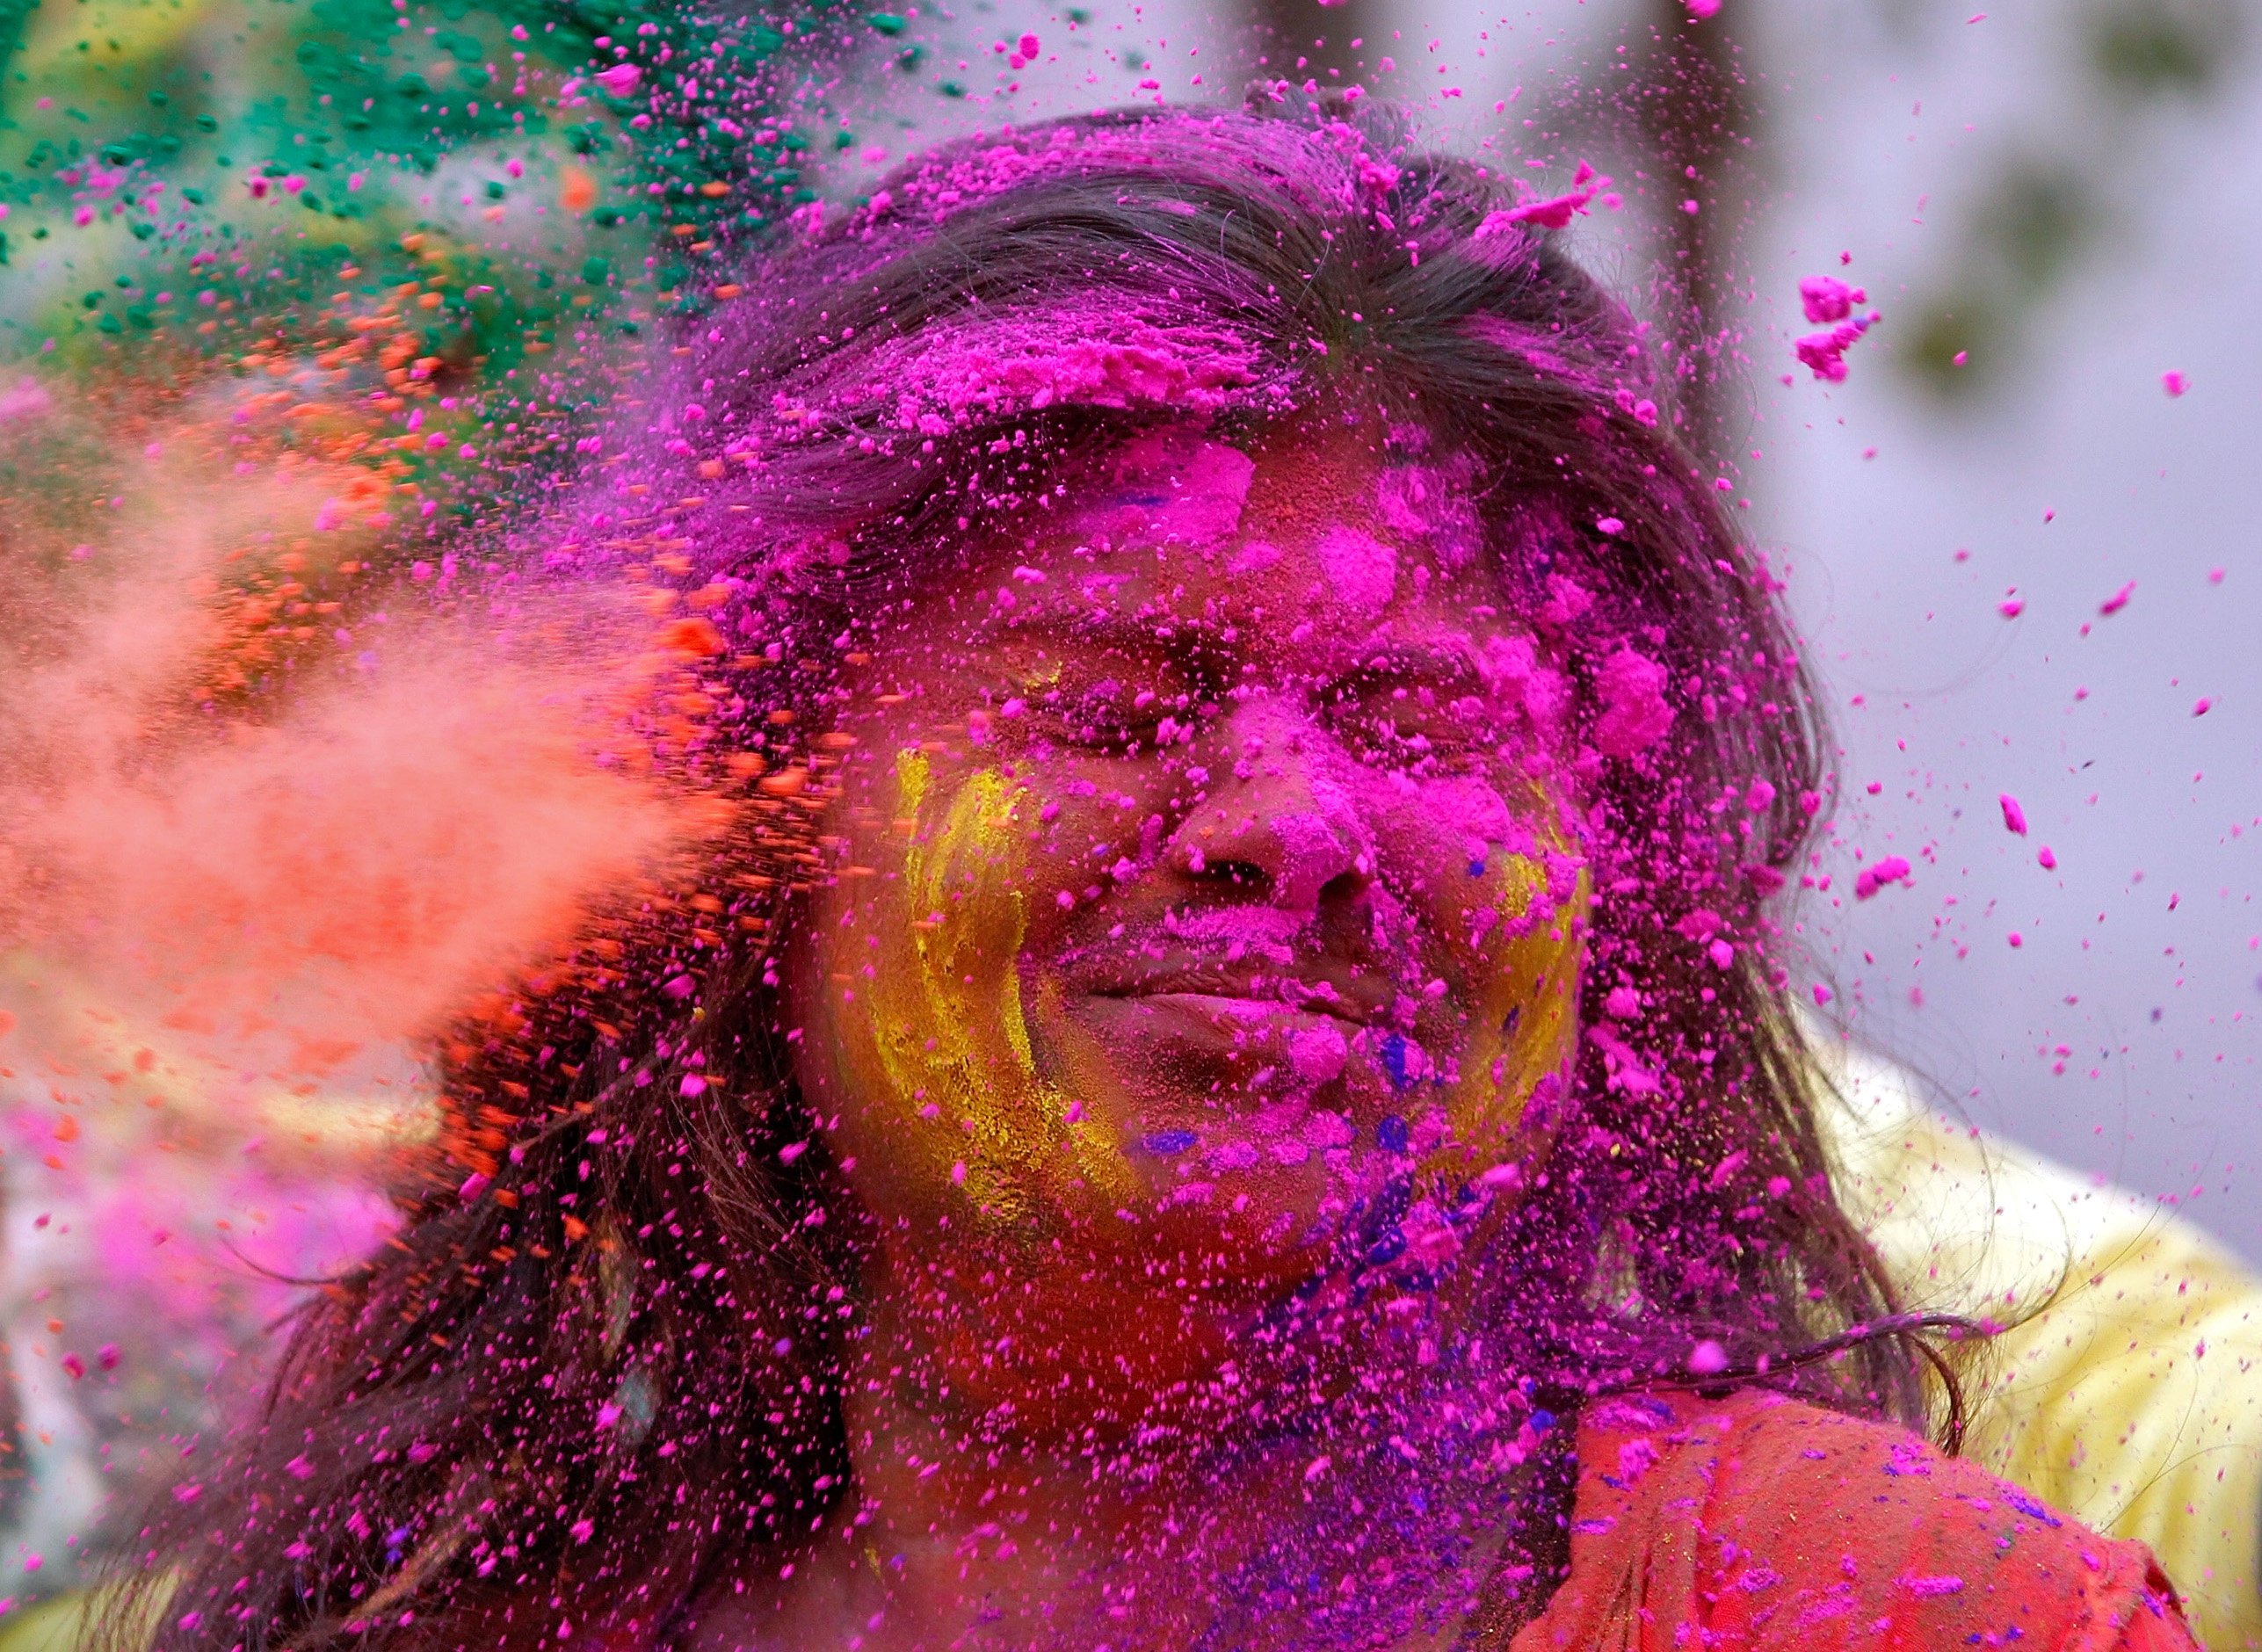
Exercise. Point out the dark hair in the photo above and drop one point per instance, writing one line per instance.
(603, 1355)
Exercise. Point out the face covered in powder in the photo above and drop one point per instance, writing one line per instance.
(1209, 881)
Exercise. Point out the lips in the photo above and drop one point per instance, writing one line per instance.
(1358, 1001)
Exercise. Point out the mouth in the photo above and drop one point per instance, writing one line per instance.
(1241, 991)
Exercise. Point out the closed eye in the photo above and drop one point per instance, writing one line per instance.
(1132, 711)
(1422, 723)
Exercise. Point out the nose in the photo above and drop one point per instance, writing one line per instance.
(1282, 823)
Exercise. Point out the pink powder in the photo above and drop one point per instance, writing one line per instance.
(1931, 1588)
(1043, 360)
(1827, 299)
(1825, 353)
(1256, 926)
(1317, 1054)
(2014, 818)
(1360, 569)
(1172, 485)
(1423, 501)
(2117, 600)
(1644, 411)
(1623, 1067)
(1473, 806)
(1554, 212)
(1567, 601)
(1634, 714)
(1511, 669)
(1313, 843)
(1891, 869)
(25, 399)
(1400, 497)
(1637, 1457)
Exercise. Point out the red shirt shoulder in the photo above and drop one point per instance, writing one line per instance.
(1754, 1521)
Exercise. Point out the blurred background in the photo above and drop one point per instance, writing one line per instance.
(291, 289)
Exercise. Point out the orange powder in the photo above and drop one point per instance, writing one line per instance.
(299, 889)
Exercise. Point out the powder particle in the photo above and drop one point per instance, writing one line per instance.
(1046, 361)
(1634, 714)
(1825, 353)
(1826, 299)
(1891, 869)
(1931, 1588)
(1554, 212)
(1165, 491)
(1362, 569)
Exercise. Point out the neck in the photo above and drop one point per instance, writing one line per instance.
(1003, 1494)
(980, 1392)
(1011, 1485)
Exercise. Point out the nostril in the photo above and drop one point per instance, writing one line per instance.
(1345, 886)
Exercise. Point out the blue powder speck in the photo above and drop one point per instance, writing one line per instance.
(1394, 1062)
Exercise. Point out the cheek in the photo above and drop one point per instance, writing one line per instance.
(923, 1004)
(1078, 817)
(1503, 889)
(1463, 851)
(1522, 998)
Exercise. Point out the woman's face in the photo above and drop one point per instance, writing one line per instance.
(1208, 866)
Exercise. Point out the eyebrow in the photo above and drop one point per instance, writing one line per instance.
(1434, 651)
(1073, 621)
(1101, 627)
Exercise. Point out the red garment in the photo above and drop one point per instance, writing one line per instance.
(1755, 1522)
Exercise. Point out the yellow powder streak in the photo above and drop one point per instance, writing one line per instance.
(1538, 973)
(949, 978)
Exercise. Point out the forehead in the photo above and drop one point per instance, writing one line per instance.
(1305, 552)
